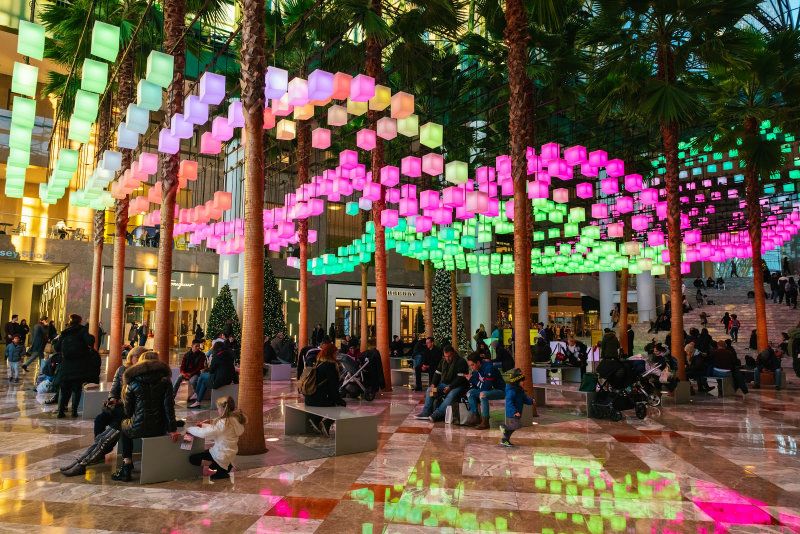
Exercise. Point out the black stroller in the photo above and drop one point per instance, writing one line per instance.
(363, 375)
(618, 389)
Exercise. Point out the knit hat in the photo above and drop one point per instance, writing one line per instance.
(513, 376)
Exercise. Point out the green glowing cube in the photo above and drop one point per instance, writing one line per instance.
(351, 208)
(105, 41)
(19, 158)
(148, 95)
(24, 112)
(79, 129)
(24, 79)
(455, 172)
(19, 138)
(68, 159)
(160, 68)
(408, 126)
(431, 135)
(86, 105)
(30, 40)
(553, 233)
(94, 76)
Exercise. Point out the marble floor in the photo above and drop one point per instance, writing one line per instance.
(712, 466)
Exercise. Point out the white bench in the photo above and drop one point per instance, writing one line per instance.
(93, 398)
(279, 371)
(460, 415)
(568, 373)
(403, 377)
(231, 390)
(396, 362)
(163, 460)
(355, 431)
(724, 387)
(540, 394)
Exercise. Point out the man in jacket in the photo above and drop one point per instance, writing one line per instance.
(143, 332)
(133, 333)
(12, 328)
(221, 372)
(449, 382)
(192, 364)
(768, 360)
(77, 367)
(609, 345)
(428, 363)
(38, 342)
(487, 384)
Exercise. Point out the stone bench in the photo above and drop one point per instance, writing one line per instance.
(540, 394)
(568, 374)
(396, 362)
(461, 413)
(724, 386)
(355, 431)
(163, 460)
(403, 377)
(279, 371)
(231, 390)
(93, 398)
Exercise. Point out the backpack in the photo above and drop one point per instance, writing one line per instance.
(307, 385)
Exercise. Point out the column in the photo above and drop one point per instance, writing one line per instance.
(543, 307)
(480, 312)
(646, 296)
(21, 295)
(608, 285)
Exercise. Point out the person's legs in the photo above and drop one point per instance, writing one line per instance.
(418, 373)
(452, 396)
(473, 396)
(486, 396)
(177, 385)
(202, 386)
(63, 397)
(13, 369)
(757, 376)
(102, 420)
(33, 356)
(778, 377)
(77, 390)
(511, 424)
(427, 409)
(197, 459)
(739, 381)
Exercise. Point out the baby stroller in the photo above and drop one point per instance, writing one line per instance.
(360, 376)
(618, 389)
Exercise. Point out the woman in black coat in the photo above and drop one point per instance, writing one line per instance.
(77, 365)
(326, 393)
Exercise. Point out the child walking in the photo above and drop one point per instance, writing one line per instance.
(14, 354)
(225, 431)
(734, 328)
(516, 398)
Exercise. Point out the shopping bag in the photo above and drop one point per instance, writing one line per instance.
(448, 415)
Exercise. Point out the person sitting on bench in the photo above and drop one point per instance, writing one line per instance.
(320, 387)
(768, 360)
(449, 382)
(113, 412)
(225, 431)
(221, 372)
(576, 354)
(192, 365)
(487, 384)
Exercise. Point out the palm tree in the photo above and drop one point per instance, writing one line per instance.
(660, 45)
(427, 275)
(251, 395)
(759, 82)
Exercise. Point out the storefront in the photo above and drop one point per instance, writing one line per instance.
(406, 311)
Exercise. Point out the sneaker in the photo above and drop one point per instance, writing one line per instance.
(195, 405)
(421, 416)
(505, 443)
(431, 419)
(220, 475)
(193, 398)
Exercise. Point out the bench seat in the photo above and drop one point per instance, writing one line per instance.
(355, 431)
(163, 460)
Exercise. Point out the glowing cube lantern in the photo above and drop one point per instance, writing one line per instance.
(598, 158)
(423, 223)
(23, 79)
(411, 166)
(348, 159)
(365, 139)
(236, 114)
(188, 170)
(209, 145)
(356, 108)
(477, 201)
(560, 169)
(126, 138)
(691, 237)
(320, 85)
(382, 98)
(341, 86)
(276, 82)
(105, 41)
(615, 168)
(302, 113)
(561, 195)
(362, 88)
(648, 196)
(390, 175)
(364, 204)
(609, 186)
(79, 129)
(269, 119)
(455, 172)
(298, 92)
(503, 165)
(286, 130)
(168, 143)
(633, 182)
(550, 152)
(640, 222)
(147, 163)
(584, 190)
(337, 116)
(30, 40)
(212, 89)
(23, 114)
(159, 69)
(431, 135)
(391, 195)
(148, 95)
(351, 208)
(221, 130)
(538, 189)
(631, 248)
(408, 125)
(137, 119)
(408, 207)
(386, 128)
(402, 105)
(453, 197)
(429, 199)
(432, 164)
(575, 155)
(321, 138)
(281, 106)
(625, 204)
(389, 218)
(194, 110)
(614, 229)
(372, 191)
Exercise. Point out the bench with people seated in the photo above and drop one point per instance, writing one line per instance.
(355, 431)
(723, 388)
(93, 398)
(461, 411)
(163, 460)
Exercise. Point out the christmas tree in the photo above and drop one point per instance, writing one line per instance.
(223, 310)
(274, 321)
(442, 326)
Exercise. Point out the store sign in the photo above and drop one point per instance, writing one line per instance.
(24, 255)
(401, 293)
(173, 283)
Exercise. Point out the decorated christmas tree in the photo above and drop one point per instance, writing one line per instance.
(442, 326)
(223, 310)
(274, 321)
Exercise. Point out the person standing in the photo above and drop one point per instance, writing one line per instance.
(100, 334)
(629, 331)
(609, 345)
(73, 344)
(198, 332)
(734, 273)
(516, 399)
(317, 334)
(14, 352)
(133, 334)
(184, 335)
(24, 330)
(39, 339)
(142, 333)
(791, 293)
(12, 328)
(787, 270)
(332, 333)
(734, 328)
(726, 321)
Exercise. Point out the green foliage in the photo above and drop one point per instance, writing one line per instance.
(223, 310)
(442, 318)
(274, 321)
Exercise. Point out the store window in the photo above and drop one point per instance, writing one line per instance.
(347, 319)
(412, 321)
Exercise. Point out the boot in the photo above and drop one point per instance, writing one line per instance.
(103, 444)
(472, 420)
(484, 425)
(123, 474)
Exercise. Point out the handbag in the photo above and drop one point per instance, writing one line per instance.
(588, 383)
(665, 375)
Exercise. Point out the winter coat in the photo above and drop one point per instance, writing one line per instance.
(451, 373)
(222, 370)
(14, 353)
(609, 346)
(24, 330)
(78, 364)
(38, 338)
(133, 334)
(486, 378)
(149, 404)
(327, 393)
(768, 360)
(116, 384)
(193, 363)
(504, 358)
(516, 398)
(225, 433)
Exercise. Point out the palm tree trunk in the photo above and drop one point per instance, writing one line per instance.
(453, 311)
(752, 194)
(303, 157)
(117, 326)
(516, 38)
(97, 274)
(427, 277)
(374, 68)
(174, 15)
(623, 295)
(364, 331)
(251, 381)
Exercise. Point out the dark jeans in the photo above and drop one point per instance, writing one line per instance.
(126, 445)
(105, 419)
(70, 388)
(196, 459)
(418, 375)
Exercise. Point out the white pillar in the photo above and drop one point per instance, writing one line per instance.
(608, 285)
(21, 300)
(646, 296)
(543, 307)
(480, 309)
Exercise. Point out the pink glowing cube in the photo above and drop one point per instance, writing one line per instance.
(364, 204)
(433, 164)
(429, 199)
(559, 168)
(221, 130)
(187, 170)
(485, 174)
(609, 186)
(534, 164)
(633, 182)
(442, 216)
(589, 171)
(389, 218)
(561, 195)
(477, 201)
(348, 159)
(509, 210)
(391, 195)
(411, 166)
(402, 105)
(615, 168)
(648, 197)
(321, 138)
(453, 196)
(598, 158)
(341, 86)
(640, 222)
(167, 143)
(362, 88)
(661, 209)
(212, 88)
(372, 191)
(320, 85)
(194, 110)
(276, 82)
(490, 188)
(550, 152)
(365, 139)
(614, 229)
(507, 188)
(390, 176)
(337, 116)
(584, 190)
(408, 190)
(600, 211)
(538, 189)
(269, 119)
(387, 128)
(408, 207)
(691, 237)
(503, 165)
(423, 223)
(575, 155)
(148, 163)
(625, 204)
(298, 92)
(281, 106)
